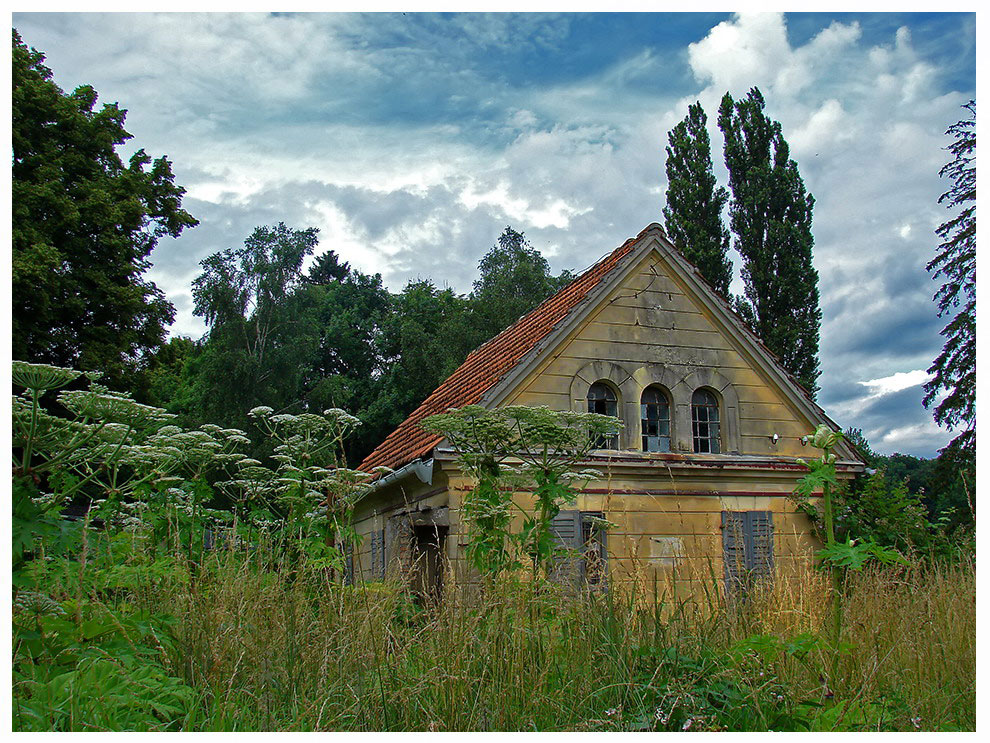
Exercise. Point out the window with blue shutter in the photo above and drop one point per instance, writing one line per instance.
(747, 550)
(378, 554)
(583, 560)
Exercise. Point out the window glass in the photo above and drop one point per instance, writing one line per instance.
(602, 399)
(705, 423)
(655, 420)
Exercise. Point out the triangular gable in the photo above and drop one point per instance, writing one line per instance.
(492, 372)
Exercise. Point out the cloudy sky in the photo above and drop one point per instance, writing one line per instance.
(411, 140)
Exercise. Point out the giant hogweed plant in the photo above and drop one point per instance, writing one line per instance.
(312, 486)
(135, 468)
(91, 658)
(836, 557)
(543, 445)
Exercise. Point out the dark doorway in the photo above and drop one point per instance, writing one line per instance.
(430, 543)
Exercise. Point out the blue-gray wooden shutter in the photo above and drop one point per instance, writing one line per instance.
(378, 554)
(734, 552)
(747, 549)
(566, 529)
(759, 545)
(348, 564)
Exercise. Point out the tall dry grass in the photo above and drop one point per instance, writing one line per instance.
(271, 648)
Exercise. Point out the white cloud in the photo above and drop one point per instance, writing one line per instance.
(896, 382)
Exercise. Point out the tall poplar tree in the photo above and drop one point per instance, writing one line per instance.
(693, 213)
(955, 263)
(770, 215)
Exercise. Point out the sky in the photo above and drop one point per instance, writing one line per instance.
(411, 140)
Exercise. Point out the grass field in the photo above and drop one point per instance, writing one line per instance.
(242, 641)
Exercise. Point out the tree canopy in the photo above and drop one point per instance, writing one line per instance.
(514, 278)
(83, 225)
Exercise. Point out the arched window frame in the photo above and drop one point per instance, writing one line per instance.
(660, 420)
(706, 433)
(605, 406)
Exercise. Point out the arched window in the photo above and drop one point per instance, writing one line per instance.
(602, 399)
(704, 422)
(655, 420)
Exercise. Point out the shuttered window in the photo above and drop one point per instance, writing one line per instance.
(704, 422)
(747, 549)
(584, 557)
(655, 420)
(603, 400)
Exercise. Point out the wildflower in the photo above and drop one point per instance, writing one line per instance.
(41, 376)
(687, 724)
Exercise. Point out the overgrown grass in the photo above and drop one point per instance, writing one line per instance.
(262, 645)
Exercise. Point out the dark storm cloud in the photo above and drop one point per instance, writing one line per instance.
(902, 329)
(839, 391)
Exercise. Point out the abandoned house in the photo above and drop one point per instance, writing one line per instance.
(695, 485)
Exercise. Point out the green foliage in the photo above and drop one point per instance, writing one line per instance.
(83, 225)
(770, 215)
(252, 355)
(344, 362)
(693, 213)
(514, 279)
(104, 673)
(883, 510)
(955, 263)
(910, 503)
(853, 555)
(547, 443)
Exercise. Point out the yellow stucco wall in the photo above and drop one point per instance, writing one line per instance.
(654, 330)
(666, 512)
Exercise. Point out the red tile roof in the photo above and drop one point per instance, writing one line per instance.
(488, 363)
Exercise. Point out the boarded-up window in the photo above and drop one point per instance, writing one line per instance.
(583, 560)
(747, 549)
(603, 400)
(705, 422)
(655, 420)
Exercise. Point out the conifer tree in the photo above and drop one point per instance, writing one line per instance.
(770, 215)
(693, 213)
(955, 368)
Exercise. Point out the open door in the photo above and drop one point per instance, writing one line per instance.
(429, 545)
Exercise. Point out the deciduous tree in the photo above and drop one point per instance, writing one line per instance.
(514, 279)
(83, 225)
(255, 345)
